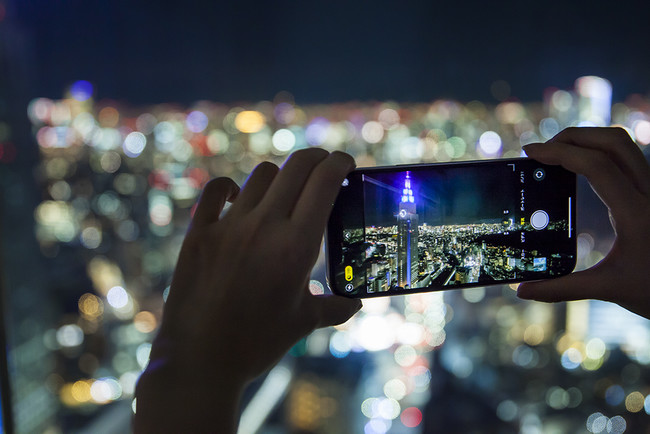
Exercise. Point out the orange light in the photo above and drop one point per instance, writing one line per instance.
(249, 121)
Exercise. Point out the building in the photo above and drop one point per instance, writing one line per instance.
(407, 237)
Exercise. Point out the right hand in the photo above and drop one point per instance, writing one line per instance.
(619, 174)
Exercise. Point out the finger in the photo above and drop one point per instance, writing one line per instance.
(587, 284)
(289, 182)
(255, 187)
(212, 200)
(616, 143)
(315, 203)
(333, 309)
(606, 178)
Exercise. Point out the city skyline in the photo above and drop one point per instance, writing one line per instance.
(450, 255)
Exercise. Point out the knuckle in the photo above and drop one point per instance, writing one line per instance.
(566, 134)
(598, 162)
(620, 134)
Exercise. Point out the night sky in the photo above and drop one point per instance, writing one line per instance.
(466, 195)
(339, 50)
(445, 196)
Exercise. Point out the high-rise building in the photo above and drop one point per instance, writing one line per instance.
(407, 237)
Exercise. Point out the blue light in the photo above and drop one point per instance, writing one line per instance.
(407, 193)
(81, 90)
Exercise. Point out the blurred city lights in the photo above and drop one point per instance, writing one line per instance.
(81, 90)
(117, 297)
(249, 121)
(119, 184)
(70, 335)
(196, 121)
(489, 143)
(134, 144)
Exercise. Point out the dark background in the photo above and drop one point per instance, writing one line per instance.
(338, 50)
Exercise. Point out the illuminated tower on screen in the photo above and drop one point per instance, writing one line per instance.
(407, 237)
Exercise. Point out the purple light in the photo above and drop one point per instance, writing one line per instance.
(407, 193)
(81, 90)
(196, 121)
(316, 131)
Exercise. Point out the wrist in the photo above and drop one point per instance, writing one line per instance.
(176, 398)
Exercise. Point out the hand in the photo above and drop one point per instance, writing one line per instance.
(239, 299)
(618, 172)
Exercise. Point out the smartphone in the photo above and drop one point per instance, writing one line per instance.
(427, 227)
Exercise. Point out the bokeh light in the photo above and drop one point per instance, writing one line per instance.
(119, 184)
(81, 90)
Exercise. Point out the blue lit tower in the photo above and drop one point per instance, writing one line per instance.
(407, 237)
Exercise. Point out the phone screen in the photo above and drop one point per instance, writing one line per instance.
(405, 229)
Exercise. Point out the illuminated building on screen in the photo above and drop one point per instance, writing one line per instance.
(407, 237)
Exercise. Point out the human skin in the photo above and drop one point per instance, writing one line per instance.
(239, 298)
(620, 175)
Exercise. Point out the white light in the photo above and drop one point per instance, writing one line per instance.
(100, 392)
(595, 100)
(562, 100)
(474, 295)
(106, 139)
(388, 408)
(395, 389)
(616, 425)
(339, 344)
(597, 423)
(642, 132)
(377, 426)
(117, 297)
(105, 390)
(374, 333)
(372, 132)
(70, 335)
(376, 305)
(549, 127)
(489, 143)
(142, 354)
(128, 381)
(388, 118)
(283, 140)
(368, 406)
(410, 333)
(164, 133)
(595, 348)
(411, 149)
(134, 144)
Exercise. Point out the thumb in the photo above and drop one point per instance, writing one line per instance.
(333, 309)
(587, 284)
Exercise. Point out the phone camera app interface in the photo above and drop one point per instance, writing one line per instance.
(453, 226)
